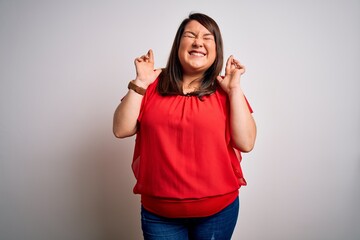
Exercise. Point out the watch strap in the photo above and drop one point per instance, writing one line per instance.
(136, 88)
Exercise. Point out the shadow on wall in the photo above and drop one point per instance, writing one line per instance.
(105, 182)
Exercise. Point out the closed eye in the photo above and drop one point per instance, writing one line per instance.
(189, 35)
(208, 37)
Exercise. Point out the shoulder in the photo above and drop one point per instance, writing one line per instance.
(221, 95)
(219, 91)
(154, 83)
(151, 89)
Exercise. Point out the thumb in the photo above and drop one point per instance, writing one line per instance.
(219, 78)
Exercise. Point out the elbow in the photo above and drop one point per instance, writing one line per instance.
(245, 148)
(123, 134)
(118, 135)
(246, 145)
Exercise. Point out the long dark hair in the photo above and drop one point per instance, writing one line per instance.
(170, 79)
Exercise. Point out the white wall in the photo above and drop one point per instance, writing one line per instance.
(64, 65)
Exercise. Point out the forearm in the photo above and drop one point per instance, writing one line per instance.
(242, 123)
(126, 115)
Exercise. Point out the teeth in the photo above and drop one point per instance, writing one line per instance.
(197, 54)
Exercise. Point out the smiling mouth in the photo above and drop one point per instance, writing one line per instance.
(196, 53)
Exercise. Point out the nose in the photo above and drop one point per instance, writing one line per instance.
(198, 42)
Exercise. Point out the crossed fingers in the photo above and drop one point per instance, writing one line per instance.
(146, 58)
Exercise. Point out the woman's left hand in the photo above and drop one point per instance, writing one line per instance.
(233, 72)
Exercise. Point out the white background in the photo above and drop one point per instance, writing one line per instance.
(64, 65)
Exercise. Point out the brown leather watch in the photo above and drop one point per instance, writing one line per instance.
(136, 88)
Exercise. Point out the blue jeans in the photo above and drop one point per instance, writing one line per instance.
(219, 226)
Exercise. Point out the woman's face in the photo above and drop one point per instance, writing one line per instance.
(197, 50)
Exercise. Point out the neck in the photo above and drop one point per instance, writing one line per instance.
(191, 83)
(194, 79)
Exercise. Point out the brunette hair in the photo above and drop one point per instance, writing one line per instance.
(170, 79)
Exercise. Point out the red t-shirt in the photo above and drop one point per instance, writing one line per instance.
(184, 162)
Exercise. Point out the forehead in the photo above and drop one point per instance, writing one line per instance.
(195, 27)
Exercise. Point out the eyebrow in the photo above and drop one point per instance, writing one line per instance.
(190, 32)
(208, 34)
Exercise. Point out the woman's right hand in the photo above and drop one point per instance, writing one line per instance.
(145, 72)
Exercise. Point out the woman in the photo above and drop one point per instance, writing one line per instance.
(191, 125)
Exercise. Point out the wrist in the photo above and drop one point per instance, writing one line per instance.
(140, 83)
(235, 91)
(136, 88)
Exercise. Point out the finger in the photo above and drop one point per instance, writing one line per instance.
(235, 63)
(139, 59)
(150, 55)
(219, 78)
(228, 63)
(240, 66)
(146, 57)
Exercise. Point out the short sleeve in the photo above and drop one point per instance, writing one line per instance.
(150, 91)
